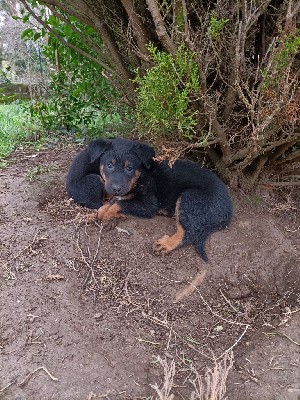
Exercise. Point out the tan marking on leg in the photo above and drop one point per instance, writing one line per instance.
(91, 217)
(177, 210)
(114, 211)
(103, 210)
(169, 243)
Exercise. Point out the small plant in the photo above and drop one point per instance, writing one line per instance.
(164, 94)
(34, 172)
(285, 50)
(290, 48)
(216, 25)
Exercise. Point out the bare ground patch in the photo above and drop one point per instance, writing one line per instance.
(89, 313)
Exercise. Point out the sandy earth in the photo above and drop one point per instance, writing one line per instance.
(85, 312)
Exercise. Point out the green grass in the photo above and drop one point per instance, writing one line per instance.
(19, 128)
(15, 128)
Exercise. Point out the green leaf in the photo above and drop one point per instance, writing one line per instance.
(27, 33)
(52, 20)
(37, 36)
(26, 18)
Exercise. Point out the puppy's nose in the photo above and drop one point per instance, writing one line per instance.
(116, 189)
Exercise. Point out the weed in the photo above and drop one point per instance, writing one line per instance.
(216, 25)
(34, 172)
(15, 127)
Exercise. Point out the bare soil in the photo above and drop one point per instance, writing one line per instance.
(85, 311)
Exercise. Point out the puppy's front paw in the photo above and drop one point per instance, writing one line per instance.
(109, 216)
(168, 243)
(102, 211)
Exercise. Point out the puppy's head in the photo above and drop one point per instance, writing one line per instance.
(121, 163)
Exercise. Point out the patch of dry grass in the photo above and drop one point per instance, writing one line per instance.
(211, 386)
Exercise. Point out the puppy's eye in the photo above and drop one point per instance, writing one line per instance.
(129, 168)
(109, 165)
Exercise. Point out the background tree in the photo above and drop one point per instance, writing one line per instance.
(21, 62)
(235, 66)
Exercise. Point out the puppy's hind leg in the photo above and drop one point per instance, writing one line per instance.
(202, 213)
(168, 243)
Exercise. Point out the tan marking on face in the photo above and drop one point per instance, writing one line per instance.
(128, 196)
(102, 175)
(113, 161)
(134, 180)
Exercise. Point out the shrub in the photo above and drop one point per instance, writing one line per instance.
(165, 94)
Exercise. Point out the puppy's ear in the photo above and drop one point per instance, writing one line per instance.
(145, 153)
(97, 147)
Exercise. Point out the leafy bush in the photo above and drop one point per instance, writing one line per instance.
(77, 90)
(71, 102)
(165, 92)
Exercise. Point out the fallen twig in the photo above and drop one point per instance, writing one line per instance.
(288, 337)
(234, 344)
(89, 260)
(6, 266)
(164, 393)
(6, 387)
(24, 382)
(218, 315)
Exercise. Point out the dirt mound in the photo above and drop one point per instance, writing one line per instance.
(85, 311)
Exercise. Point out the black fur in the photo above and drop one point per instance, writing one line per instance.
(125, 171)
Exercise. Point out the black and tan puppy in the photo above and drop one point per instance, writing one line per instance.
(119, 177)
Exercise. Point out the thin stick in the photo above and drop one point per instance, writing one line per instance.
(23, 383)
(86, 260)
(149, 342)
(25, 248)
(218, 315)
(280, 184)
(288, 337)
(234, 344)
(6, 387)
(229, 303)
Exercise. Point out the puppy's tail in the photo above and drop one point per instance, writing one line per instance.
(200, 243)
